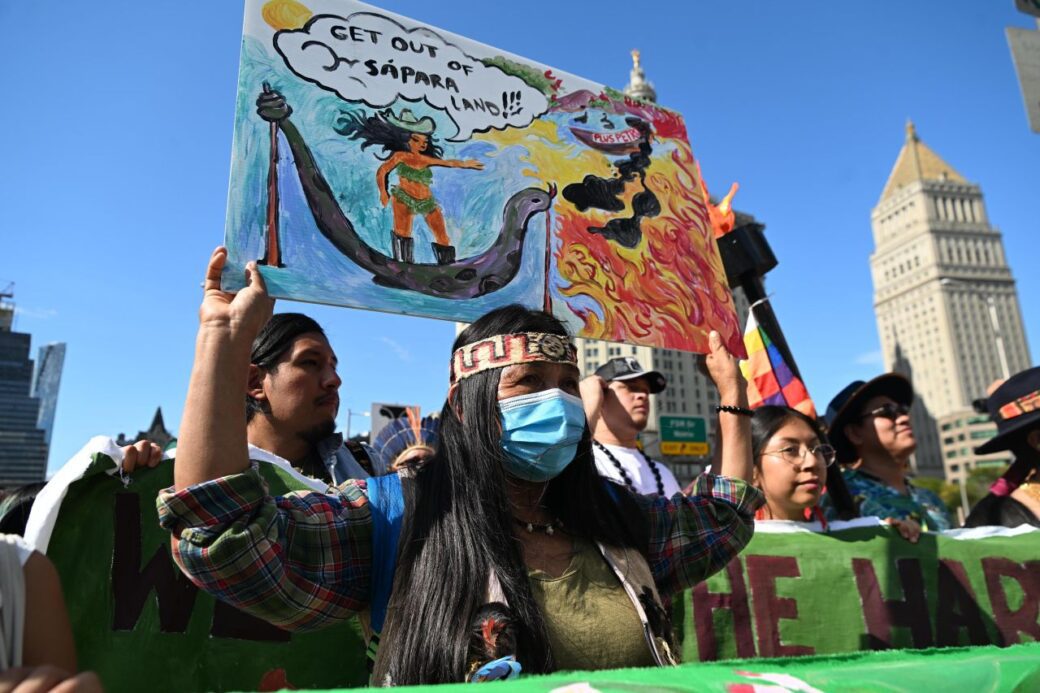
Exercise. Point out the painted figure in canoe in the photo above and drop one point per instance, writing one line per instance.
(468, 277)
(411, 153)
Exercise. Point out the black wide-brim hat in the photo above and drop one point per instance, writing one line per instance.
(1015, 408)
(844, 408)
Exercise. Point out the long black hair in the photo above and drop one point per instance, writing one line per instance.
(377, 130)
(272, 342)
(459, 529)
(770, 419)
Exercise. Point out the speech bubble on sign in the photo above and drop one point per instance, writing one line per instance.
(373, 59)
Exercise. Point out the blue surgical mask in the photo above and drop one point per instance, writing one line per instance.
(540, 433)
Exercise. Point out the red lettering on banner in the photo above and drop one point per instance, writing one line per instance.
(956, 608)
(705, 603)
(1024, 618)
(763, 572)
(131, 584)
(882, 614)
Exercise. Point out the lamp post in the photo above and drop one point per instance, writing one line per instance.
(351, 413)
(994, 319)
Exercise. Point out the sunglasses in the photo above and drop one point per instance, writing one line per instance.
(888, 411)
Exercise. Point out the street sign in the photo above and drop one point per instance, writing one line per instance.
(684, 435)
(685, 449)
(1025, 52)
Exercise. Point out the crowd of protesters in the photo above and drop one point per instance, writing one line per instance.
(521, 529)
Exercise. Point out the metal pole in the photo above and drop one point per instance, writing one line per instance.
(348, 424)
(997, 335)
(964, 495)
(754, 290)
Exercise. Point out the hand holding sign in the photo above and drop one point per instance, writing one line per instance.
(247, 311)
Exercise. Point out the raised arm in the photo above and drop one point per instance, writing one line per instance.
(695, 536)
(212, 441)
(454, 163)
(734, 432)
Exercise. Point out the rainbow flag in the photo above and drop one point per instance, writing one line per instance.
(770, 380)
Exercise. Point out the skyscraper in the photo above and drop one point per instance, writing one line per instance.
(49, 363)
(945, 301)
(23, 451)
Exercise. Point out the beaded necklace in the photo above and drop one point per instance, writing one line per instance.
(624, 473)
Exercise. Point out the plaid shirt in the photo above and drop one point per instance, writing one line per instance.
(303, 560)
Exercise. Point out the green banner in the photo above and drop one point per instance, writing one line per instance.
(865, 588)
(142, 625)
(991, 669)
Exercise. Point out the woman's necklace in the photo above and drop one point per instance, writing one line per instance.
(532, 527)
(624, 473)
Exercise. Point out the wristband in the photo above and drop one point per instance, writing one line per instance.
(719, 408)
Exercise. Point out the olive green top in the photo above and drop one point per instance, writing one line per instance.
(417, 175)
(591, 621)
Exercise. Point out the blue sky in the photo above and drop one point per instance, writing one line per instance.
(117, 122)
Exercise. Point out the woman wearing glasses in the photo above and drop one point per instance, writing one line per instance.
(794, 464)
(869, 426)
(791, 464)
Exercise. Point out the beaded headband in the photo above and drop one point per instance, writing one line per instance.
(1023, 405)
(509, 349)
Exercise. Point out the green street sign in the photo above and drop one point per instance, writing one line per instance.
(683, 429)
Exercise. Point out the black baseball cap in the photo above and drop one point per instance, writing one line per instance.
(627, 368)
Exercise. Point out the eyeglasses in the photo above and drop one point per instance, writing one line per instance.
(796, 455)
(888, 411)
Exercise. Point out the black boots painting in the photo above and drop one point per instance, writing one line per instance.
(404, 250)
(445, 253)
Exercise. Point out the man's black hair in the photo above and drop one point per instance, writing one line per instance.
(271, 344)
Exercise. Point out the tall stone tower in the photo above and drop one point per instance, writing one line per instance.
(945, 301)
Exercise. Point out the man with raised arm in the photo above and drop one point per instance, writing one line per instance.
(291, 387)
(617, 406)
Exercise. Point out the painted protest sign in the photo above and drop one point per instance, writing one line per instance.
(802, 593)
(381, 163)
(138, 621)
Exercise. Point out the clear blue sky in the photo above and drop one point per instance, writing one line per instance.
(116, 130)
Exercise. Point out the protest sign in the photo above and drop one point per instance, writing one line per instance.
(801, 593)
(381, 163)
(141, 624)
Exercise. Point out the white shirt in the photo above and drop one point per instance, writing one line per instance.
(639, 472)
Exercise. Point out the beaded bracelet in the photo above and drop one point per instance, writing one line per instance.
(733, 410)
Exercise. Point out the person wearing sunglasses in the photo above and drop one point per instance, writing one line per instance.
(869, 426)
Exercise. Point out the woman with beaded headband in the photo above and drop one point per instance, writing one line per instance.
(510, 514)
